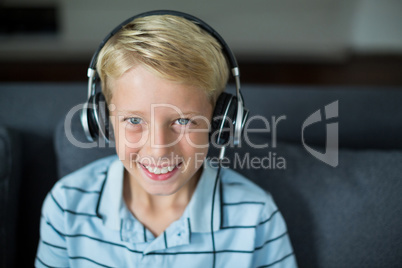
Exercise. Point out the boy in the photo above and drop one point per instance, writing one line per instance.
(159, 203)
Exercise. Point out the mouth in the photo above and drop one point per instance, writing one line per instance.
(160, 173)
(161, 170)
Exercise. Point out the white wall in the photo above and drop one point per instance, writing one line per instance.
(324, 29)
(378, 26)
(250, 27)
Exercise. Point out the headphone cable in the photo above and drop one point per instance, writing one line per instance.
(221, 155)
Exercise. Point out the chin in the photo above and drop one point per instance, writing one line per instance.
(164, 192)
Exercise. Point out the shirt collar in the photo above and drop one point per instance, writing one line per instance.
(206, 197)
(111, 196)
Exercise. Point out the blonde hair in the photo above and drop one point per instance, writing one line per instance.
(172, 47)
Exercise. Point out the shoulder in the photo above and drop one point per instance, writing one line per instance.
(244, 196)
(78, 191)
(88, 178)
(241, 188)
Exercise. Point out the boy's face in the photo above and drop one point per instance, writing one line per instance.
(161, 127)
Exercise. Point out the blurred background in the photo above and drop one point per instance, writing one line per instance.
(278, 42)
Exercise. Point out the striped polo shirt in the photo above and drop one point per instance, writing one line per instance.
(229, 222)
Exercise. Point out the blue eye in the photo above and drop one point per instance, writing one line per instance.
(135, 120)
(183, 121)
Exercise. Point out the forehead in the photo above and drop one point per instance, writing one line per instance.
(139, 89)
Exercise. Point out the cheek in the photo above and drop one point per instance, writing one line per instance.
(198, 138)
(132, 138)
(129, 141)
(195, 149)
(195, 142)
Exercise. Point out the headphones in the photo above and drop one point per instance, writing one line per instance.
(229, 115)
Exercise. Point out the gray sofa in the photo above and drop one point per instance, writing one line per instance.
(344, 216)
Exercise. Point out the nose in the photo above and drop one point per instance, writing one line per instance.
(161, 141)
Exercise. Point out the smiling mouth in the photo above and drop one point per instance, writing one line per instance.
(160, 170)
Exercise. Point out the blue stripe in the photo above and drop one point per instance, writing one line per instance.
(47, 264)
(100, 196)
(271, 240)
(244, 203)
(90, 260)
(234, 183)
(70, 211)
(57, 203)
(189, 230)
(270, 217)
(278, 261)
(121, 230)
(79, 189)
(251, 226)
(164, 235)
(92, 238)
(54, 246)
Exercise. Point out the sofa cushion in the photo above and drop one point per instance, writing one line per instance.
(347, 216)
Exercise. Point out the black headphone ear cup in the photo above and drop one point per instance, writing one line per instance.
(222, 119)
(103, 116)
(219, 110)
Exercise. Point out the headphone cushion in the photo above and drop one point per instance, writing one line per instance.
(91, 119)
(219, 110)
(103, 114)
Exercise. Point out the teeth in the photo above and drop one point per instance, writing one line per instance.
(158, 171)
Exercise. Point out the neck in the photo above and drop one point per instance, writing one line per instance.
(136, 196)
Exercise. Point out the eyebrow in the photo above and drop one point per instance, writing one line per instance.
(128, 112)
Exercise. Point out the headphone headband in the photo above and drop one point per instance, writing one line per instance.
(231, 58)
